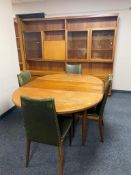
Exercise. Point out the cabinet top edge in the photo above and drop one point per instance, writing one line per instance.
(73, 17)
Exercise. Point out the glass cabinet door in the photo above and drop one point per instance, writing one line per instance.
(77, 44)
(33, 44)
(102, 44)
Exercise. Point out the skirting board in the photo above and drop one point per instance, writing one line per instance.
(7, 112)
(121, 91)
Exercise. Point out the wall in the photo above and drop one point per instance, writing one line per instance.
(122, 64)
(8, 56)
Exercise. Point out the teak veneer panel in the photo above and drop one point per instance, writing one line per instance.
(54, 35)
(71, 40)
(54, 50)
(32, 26)
(47, 66)
(84, 24)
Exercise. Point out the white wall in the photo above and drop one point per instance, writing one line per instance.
(8, 56)
(68, 7)
(122, 70)
(122, 66)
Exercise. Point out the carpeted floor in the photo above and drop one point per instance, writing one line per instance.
(113, 157)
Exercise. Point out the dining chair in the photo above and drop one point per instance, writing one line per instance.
(24, 77)
(73, 68)
(43, 126)
(98, 111)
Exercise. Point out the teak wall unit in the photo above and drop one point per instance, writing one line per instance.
(49, 43)
(19, 42)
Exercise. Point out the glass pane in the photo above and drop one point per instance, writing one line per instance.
(77, 45)
(102, 44)
(33, 45)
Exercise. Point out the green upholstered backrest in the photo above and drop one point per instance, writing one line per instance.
(24, 77)
(40, 120)
(100, 107)
(73, 69)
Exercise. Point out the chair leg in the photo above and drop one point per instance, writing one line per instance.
(84, 118)
(102, 123)
(70, 136)
(101, 129)
(60, 160)
(73, 125)
(27, 152)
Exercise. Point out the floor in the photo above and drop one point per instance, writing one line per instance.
(113, 157)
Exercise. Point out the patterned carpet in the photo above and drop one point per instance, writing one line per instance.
(113, 157)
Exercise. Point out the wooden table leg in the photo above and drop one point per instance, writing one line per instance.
(84, 127)
(60, 159)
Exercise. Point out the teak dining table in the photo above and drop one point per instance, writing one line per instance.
(72, 93)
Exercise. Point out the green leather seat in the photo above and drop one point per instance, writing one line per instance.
(42, 124)
(24, 77)
(98, 111)
(73, 68)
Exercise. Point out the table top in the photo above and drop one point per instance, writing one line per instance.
(71, 92)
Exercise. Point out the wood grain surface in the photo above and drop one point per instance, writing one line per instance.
(72, 93)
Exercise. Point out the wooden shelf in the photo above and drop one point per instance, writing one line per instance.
(72, 60)
(77, 60)
(77, 30)
(52, 60)
(103, 28)
(34, 59)
(100, 60)
(90, 60)
(77, 49)
(32, 31)
(45, 60)
(102, 49)
(53, 30)
(102, 39)
(54, 40)
(44, 72)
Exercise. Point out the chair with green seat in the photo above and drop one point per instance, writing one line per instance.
(43, 126)
(73, 68)
(98, 111)
(24, 77)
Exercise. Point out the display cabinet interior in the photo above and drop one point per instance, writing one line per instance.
(33, 45)
(102, 44)
(77, 44)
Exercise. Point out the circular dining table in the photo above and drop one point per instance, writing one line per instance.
(72, 93)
